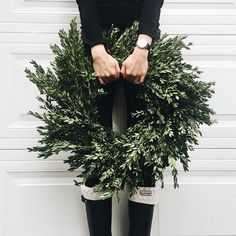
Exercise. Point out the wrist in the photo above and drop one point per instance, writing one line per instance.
(97, 50)
(143, 42)
(141, 51)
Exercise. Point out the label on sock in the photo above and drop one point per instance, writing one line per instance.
(95, 189)
(145, 192)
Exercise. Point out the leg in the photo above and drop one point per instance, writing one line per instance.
(141, 204)
(99, 212)
(132, 102)
(105, 106)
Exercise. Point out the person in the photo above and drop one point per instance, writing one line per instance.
(95, 16)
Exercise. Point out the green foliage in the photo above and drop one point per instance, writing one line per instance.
(176, 105)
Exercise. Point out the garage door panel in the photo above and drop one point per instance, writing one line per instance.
(31, 197)
(202, 206)
(17, 89)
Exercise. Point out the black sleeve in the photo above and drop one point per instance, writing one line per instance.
(149, 20)
(91, 31)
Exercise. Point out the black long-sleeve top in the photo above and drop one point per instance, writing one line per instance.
(95, 15)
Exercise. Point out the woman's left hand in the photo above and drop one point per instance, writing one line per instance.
(135, 66)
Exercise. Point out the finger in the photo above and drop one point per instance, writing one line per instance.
(135, 75)
(123, 70)
(127, 72)
(108, 75)
(104, 77)
(98, 73)
(129, 76)
(130, 79)
(114, 73)
(117, 70)
(130, 73)
(141, 81)
(106, 80)
(112, 77)
(106, 72)
(136, 80)
(101, 81)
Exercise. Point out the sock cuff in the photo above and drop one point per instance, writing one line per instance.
(90, 192)
(147, 195)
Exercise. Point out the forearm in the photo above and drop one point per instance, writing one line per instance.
(97, 50)
(90, 22)
(150, 16)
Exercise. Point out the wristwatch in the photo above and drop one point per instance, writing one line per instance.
(142, 43)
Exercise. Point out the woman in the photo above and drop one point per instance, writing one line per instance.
(95, 16)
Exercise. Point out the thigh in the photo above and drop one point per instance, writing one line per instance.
(105, 107)
(105, 104)
(132, 102)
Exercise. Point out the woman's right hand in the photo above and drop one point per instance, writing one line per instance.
(105, 66)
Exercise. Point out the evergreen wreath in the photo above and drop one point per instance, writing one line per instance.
(176, 105)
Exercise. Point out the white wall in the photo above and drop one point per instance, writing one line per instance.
(38, 197)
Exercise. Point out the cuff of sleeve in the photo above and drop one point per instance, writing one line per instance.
(96, 42)
(154, 34)
(91, 40)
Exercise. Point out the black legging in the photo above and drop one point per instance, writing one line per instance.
(105, 107)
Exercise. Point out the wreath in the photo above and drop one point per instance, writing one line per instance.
(176, 106)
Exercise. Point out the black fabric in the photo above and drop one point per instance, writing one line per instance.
(99, 216)
(96, 15)
(105, 101)
(105, 107)
(140, 218)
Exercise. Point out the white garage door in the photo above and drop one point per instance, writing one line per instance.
(38, 197)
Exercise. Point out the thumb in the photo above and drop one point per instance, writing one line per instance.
(141, 81)
(117, 68)
(123, 70)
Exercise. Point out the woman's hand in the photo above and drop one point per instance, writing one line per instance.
(135, 66)
(105, 66)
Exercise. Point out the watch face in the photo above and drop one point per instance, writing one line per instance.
(142, 43)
